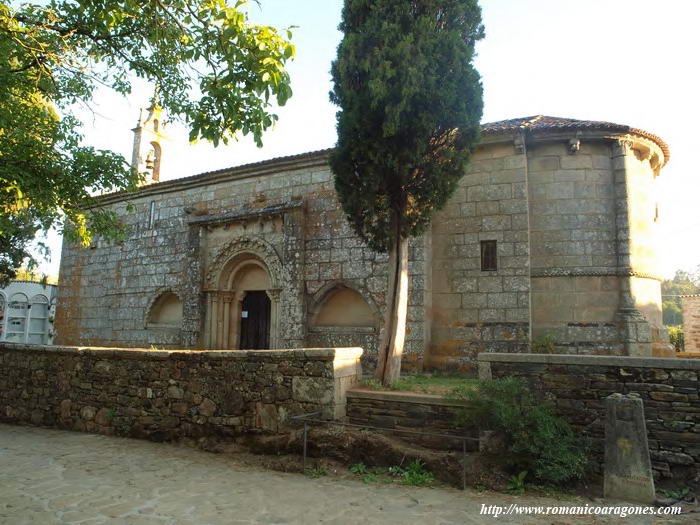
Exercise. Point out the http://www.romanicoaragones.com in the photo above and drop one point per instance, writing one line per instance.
(580, 510)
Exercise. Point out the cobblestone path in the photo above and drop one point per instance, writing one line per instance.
(50, 476)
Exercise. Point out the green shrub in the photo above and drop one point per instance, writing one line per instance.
(537, 440)
(516, 484)
(675, 335)
(544, 344)
(416, 474)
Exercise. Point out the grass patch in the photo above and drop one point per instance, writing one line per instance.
(424, 383)
(316, 472)
(414, 474)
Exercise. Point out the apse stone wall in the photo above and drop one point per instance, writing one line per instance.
(474, 310)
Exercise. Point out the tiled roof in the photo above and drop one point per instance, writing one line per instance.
(544, 123)
(535, 123)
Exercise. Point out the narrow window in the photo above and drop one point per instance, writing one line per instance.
(152, 214)
(489, 259)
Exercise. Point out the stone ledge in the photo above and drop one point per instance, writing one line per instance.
(591, 360)
(343, 353)
(403, 397)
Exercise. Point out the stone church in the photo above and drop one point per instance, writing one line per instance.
(547, 245)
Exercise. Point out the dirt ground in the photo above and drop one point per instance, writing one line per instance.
(51, 476)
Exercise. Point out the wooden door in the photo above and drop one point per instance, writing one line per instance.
(255, 321)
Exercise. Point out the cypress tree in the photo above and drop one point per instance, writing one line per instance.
(410, 105)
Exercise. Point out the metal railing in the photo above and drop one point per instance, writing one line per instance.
(309, 418)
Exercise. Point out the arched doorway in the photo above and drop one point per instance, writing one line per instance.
(242, 313)
(255, 321)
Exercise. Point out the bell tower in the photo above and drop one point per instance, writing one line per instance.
(148, 137)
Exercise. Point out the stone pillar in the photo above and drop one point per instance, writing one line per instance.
(691, 322)
(274, 295)
(635, 331)
(627, 465)
(193, 299)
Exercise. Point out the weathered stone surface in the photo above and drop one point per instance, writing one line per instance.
(413, 412)
(672, 411)
(163, 395)
(88, 413)
(207, 408)
(572, 231)
(628, 473)
(311, 390)
(691, 323)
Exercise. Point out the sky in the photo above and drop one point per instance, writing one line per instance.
(624, 61)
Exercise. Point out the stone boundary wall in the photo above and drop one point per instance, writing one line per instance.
(171, 394)
(409, 411)
(578, 386)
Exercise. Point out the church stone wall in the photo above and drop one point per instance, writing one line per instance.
(107, 289)
(574, 223)
(573, 240)
(475, 310)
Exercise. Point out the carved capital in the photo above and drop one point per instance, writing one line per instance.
(623, 146)
(274, 294)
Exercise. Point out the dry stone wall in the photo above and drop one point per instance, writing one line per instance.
(578, 386)
(404, 411)
(166, 395)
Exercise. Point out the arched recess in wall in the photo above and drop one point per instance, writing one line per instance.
(165, 311)
(155, 160)
(339, 307)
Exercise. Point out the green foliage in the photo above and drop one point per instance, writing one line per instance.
(544, 344)
(516, 484)
(537, 440)
(430, 383)
(410, 104)
(416, 474)
(358, 468)
(315, 472)
(679, 494)
(676, 336)
(420, 383)
(216, 72)
(683, 283)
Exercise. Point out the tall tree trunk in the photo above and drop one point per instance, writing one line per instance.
(392, 340)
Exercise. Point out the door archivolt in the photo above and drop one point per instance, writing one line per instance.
(238, 317)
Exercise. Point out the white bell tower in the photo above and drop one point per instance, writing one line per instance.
(148, 137)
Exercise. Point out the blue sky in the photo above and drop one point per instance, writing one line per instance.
(626, 61)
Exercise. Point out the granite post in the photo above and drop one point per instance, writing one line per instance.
(628, 473)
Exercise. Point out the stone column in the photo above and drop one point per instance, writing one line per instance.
(274, 295)
(635, 331)
(227, 299)
(628, 473)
